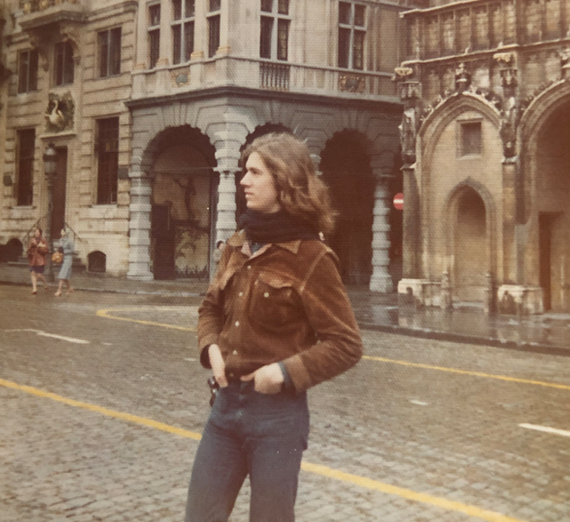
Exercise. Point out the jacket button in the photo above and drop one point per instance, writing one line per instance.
(266, 294)
(237, 323)
(234, 352)
(249, 267)
(240, 294)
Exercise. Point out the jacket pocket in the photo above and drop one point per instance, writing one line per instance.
(274, 303)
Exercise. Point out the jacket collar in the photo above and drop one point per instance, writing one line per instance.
(239, 239)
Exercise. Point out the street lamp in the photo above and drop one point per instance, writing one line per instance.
(50, 171)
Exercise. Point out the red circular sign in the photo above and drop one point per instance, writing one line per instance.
(399, 201)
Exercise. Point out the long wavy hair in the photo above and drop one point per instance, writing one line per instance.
(300, 192)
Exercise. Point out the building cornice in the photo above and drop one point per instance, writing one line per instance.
(386, 103)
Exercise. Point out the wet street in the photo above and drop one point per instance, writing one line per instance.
(102, 402)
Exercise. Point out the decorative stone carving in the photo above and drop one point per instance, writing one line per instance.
(180, 78)
(462, 78)
(59, 113)
(565, 63)
(510, 114)
(352, 83)
(409, 90)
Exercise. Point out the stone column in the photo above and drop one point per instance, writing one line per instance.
(510, 272)
(381, 280)
(166, 16)
(139, 227)
(141, 58)
(411, 226)
(226, 218)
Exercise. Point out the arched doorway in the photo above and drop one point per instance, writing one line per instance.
(345, 164)
(553, 194)
(183, 205)
(470, 247)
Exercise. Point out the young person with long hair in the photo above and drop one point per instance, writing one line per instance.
(37, 251)
(275, 321)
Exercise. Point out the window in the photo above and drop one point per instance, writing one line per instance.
(109, 43)
(274, 30)
(214, 27)
(351, 33)
(153, 34)
(470, 138)
(64, 66)
(107, 152)
(25, 181)
(183, 30)
(28, 71)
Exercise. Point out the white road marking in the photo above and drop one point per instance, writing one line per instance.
(546, 429)
(63, 338)
(190, 359)
(54, 336)
(419, 403)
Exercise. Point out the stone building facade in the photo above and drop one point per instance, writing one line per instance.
(163, 97)
(484, 135)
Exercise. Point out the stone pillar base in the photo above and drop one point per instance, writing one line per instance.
(519, 299)
(381, 283)
(142, 275)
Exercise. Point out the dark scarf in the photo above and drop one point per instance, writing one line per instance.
(278, 227)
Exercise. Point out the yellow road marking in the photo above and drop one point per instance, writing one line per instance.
(468, 372)
(104, 411)
(424, 498)
(317, 469)
(106, 313)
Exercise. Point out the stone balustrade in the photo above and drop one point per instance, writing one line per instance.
(261, 74)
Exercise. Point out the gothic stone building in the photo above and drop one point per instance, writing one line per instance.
(485, 138)
(149, 104)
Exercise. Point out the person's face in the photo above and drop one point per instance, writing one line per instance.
(259, 186)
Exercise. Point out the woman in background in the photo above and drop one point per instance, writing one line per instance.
(37, 251)
(65, 271)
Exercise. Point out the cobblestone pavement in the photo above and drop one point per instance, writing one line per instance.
(421, 430)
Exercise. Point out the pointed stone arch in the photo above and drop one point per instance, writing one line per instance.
(470, 239)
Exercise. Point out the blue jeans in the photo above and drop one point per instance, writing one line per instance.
(249, 433)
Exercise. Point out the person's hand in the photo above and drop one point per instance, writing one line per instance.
(267, 379)
(218, 365)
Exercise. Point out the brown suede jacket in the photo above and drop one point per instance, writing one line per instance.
(284, 303)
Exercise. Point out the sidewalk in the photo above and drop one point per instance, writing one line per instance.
(546, 333)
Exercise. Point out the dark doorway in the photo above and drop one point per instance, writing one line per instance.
(163, 235)
(346, 169)
(59, 190)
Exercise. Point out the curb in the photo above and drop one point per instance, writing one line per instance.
(438, 335)
(113, 291)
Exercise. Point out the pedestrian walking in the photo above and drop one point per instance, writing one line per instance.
(65, 272)
(37, 251)
(276, 320)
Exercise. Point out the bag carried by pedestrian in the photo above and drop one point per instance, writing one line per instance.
(57, 257)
